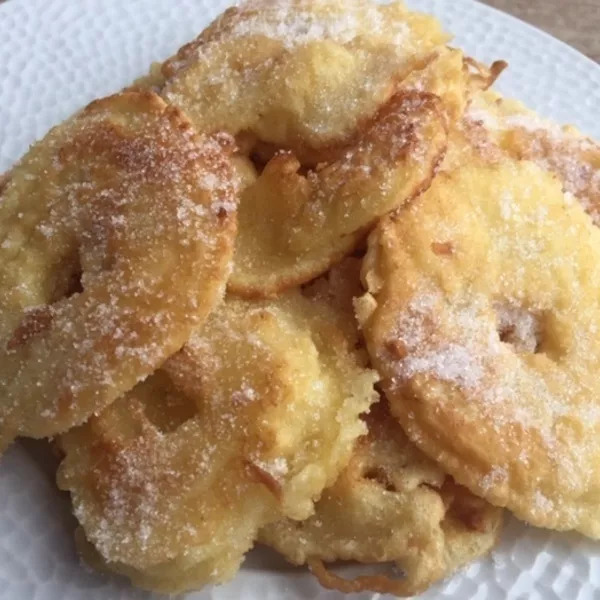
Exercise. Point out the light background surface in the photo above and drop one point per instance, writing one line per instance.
(576, 22)
(56, 55)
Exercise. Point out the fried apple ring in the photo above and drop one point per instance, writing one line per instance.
(391, 504)
(564, 151)
(300, 74)
(482, 318)
(315, 85)
(116, 235)
(294, 226)
(249, 422)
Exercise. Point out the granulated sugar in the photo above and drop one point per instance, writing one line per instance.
(288, 22)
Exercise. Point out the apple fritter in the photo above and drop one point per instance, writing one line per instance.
(293, 226)
(523, 134)
(318, 90)
(248, 423)
(392, 504)
(300, 74)
(481, 317)
(116, 238)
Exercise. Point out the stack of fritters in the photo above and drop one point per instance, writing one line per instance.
(309, 283)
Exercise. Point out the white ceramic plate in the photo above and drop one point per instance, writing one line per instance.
(55, 56)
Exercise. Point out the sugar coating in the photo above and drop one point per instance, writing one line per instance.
(574, 158)
(249, 422)
(489, 353)
(296, 23)
(294, 226)
(313, 84)
(116, 238)
(300, 75)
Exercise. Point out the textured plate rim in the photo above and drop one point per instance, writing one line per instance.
(508, 22)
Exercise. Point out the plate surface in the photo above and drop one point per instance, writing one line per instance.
(55, 56)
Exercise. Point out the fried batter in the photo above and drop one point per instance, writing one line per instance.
(116, 235)
(391, 504)
(301, 74)
(315, 87)
(338, 288)
(293, 227)
(520, 132)
(482, 318)
(447, 76)
(256, 415)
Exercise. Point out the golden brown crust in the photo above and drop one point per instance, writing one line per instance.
(293, 227)
(381, 584)
(481, 76)
(116, 233)
(255, 415)
(295, 72)
(3, 182)
(487, 359)
(304, 84)
(390, 505)
(521, 134)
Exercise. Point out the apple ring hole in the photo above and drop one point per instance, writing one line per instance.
(531, 332)
(36, 320)
(67, 278)
(519, 327)
(168, 409)
(379, 476)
